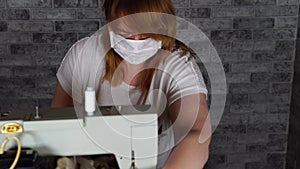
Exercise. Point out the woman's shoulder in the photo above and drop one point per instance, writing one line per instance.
(178, 58)
(89, 39)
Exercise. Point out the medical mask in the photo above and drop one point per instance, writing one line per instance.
(134, 51)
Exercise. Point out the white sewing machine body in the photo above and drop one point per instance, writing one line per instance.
(59, 132)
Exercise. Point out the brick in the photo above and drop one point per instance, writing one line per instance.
(24, 71)
(276, 11)
(267, 118)
(281, 88)
(251, 67)
(204, 49)
(280, 108)
(276, 159)
(269, 98)
(16, 61)
(75, 3)
(23, 49)
(48, 60)
(53, 14)
(236, 57)
(248, 23)
(254, 2)
(181, 12)
(277, 144)
(193, 12)
(274, 34)
(272, 56)
(46, 49)
(233, 11)
(37, 93)
(248, 88)
(54, 37)
(5, 72)
(238, 77)
(233, 119)
(15, 38)
(283, 67)
(76, 25)
(254, 148)
(30, 26)
(247, 157)
(84, 35)
(230, 149)
(188, 36)
(46, 71)
(213, 24)
(62, 49)
(231, 35)
(242, 46)
(216, 159)
(30, 71)
(222, 46)
(181, 3)
(13, 103)
(227, 165)
(256, 165)
(218, 139)
(248, 109)
(210, 2)
(267, 128)
(29, 4)
(183, 25)
(8, 93)
(199, 12)
(46, 82)
(231, 129)
(288, 2)
(264, 46)
(286, 22)
(3, 26)
(247, 138)
(3, 49)
(271, 77)
(2, 3)
(286, 45)
(16, 82)
(3, 14)
(19, 14)
(90, 14)
(30, 49)
(238, 99)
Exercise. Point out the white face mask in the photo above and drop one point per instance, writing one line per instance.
(134, 51)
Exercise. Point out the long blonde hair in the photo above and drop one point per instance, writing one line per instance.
(150, 20)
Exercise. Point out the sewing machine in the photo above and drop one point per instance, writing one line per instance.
(122, 130)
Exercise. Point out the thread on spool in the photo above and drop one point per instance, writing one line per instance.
(90, 101)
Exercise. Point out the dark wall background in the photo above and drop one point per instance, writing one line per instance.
(255, 39)
(293, 153)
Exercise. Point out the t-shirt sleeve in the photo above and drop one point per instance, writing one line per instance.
(66, 70)
(187, 79)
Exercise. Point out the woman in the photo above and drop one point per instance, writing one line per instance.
(136, 60)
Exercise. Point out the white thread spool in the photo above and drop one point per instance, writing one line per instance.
(90, 100)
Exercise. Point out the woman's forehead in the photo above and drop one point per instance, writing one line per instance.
(123, 28)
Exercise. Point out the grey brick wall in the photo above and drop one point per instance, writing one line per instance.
(293, 155)
(255, 39)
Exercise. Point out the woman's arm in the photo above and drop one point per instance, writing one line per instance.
(61, 98)
(189, 153)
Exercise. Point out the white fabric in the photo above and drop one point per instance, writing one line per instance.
(84, 66)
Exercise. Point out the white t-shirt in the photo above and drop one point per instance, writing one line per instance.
(84, 65)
